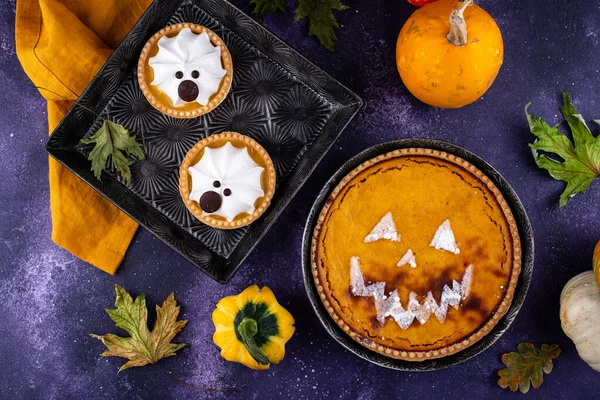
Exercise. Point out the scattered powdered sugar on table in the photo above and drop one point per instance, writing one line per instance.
(391, 306)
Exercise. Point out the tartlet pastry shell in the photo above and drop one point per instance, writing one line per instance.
(215, 100)
(194, 207)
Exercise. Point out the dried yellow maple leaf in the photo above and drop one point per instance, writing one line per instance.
(144, 346)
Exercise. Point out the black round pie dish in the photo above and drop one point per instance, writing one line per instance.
(527, 244)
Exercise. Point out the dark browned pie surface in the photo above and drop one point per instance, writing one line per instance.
(421, 191)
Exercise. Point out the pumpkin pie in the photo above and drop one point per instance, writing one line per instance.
(416, 254)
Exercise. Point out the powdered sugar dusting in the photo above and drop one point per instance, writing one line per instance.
(357, 283)
(385, 229)
(408, 258)
(391, 306)
(444, 239)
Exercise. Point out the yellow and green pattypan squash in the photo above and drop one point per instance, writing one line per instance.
(252, 328)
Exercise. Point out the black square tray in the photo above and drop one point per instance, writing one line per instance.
(291, 107)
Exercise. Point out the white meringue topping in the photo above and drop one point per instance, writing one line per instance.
(187, 57)
(238, 177)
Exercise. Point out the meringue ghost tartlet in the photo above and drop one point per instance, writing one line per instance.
(185, 70)
(227, 180)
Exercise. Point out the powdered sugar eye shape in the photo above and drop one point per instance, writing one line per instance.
(443, 239)
(384, 230)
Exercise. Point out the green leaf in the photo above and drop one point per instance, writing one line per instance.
(103, 148)
(143, 346)
(527, 367)
(579, 162)
(264, 7)
(321, 21)
(130, 315)
(111, 140)
(122, 164)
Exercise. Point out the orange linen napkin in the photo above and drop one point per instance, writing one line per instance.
(62, 44)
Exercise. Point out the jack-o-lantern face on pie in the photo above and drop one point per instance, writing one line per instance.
(416, 254)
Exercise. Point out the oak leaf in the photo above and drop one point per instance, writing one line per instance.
(527, 367)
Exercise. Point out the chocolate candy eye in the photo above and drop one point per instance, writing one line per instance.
(227, 192)
(195, 74)
(217, 184)
(178, 74)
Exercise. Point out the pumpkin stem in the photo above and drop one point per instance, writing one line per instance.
(458, 27)
(247, 329)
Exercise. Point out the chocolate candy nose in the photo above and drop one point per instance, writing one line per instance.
(210, 201)
(188, 91)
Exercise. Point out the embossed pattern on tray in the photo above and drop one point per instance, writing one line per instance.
(291, 107)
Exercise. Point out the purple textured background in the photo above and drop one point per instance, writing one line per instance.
(51, 300)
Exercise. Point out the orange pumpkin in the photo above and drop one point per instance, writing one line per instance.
(449, 53)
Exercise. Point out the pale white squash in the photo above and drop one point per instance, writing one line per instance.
(580, 316)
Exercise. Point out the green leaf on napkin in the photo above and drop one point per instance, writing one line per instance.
(143, 346)
(580, 160)
(263, 7)
(527, 367)
(321, 21)
(111, 140)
